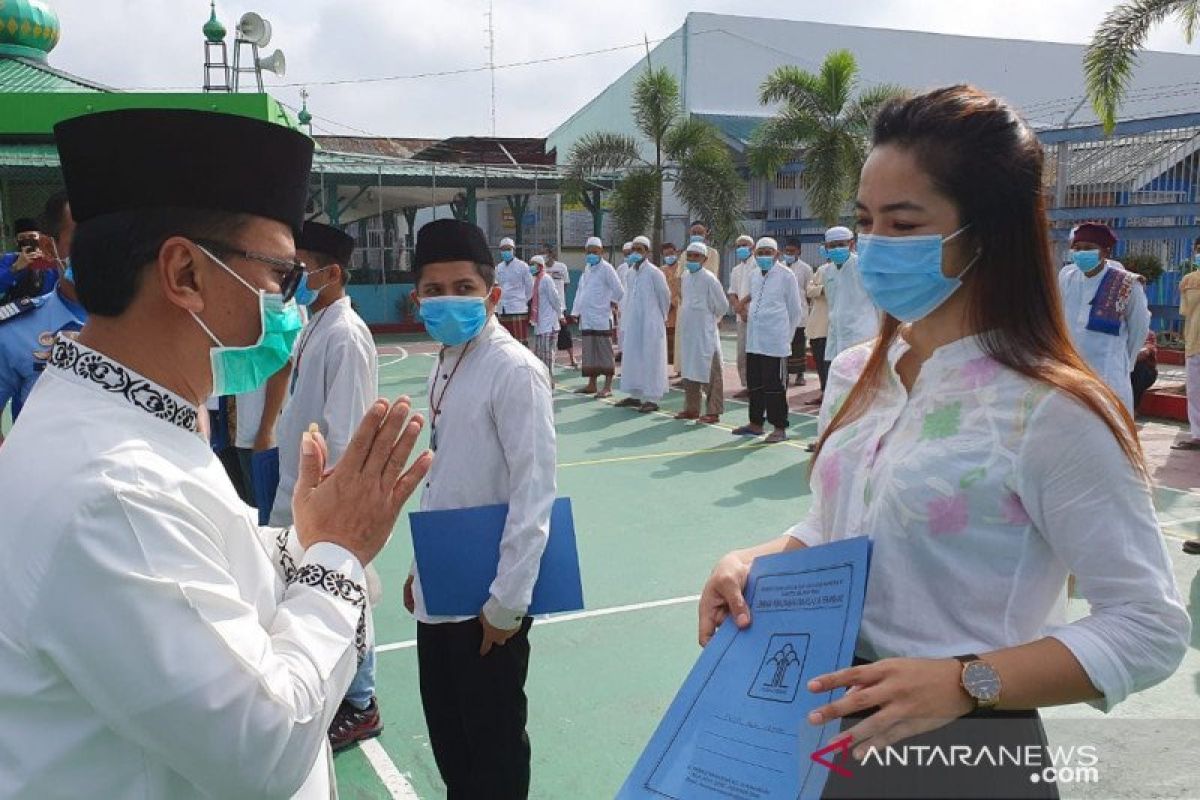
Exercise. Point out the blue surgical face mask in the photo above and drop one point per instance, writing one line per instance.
(635, 258)
(506, 255)
(743, 253)
(694, 266)
(838, 255)
(1086, 260)
(305, 294)
(670, 260)
(695, 237)
(237, 370)
(764, 262)
(592, 259)
(453, 320)
(903, 274)
(1196, 259)
(789, 260)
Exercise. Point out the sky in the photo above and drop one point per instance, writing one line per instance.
(157, 44)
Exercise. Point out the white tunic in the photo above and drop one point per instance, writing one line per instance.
(644, 333)
(1112, 357)
(516, 285)
(739, 278)
(776, 310)
(550, 307)
(150, 643)
(598, 289)
(335, 378)
(853, 318)
(804, 275)
(495, 444)
(561, 275)
(981, 491)
(704, 303)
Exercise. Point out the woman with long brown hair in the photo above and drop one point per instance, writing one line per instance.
(986, 462)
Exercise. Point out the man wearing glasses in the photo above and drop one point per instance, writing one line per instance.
(155, 641)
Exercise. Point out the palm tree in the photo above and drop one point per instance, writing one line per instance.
(688, 152)
(825, 122)
(1110, 58)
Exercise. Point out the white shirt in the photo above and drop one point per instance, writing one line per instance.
(853, 318)
(495, 444)
(561, 275)
(550, 306)
(804, 275)
(516, 285)
(150, 643)
(739, 278)
(703, 305)
(249, 416)
(598, 289)
(776, 310)
(644, 333)
(335, 378)
(981, 491)
(1112, 357)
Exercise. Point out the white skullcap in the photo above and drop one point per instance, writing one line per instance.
(594, 241)
(745, 238)
(698, 247)
(625, 248)
(506, 242)
(538, 260)
(766, 241)
(839, 234)
(643, 241)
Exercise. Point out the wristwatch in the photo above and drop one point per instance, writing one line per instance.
(980, 680)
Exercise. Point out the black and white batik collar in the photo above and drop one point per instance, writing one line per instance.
(95, 369)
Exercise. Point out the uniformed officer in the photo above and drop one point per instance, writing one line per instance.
(29, 325)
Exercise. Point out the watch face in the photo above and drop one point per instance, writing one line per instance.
(981, 681)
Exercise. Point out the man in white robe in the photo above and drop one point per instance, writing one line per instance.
(644, 321)
(853, 318)
(156, 642)
(516, 283)
(704, 303)
(596, 299)
(739, 297)
(1105, 309)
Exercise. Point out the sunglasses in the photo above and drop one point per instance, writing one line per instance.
(293, 269)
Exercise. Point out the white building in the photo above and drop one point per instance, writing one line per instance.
(721, 60)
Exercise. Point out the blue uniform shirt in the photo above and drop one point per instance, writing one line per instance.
(27, 331)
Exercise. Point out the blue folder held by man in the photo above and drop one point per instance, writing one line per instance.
(458, 552)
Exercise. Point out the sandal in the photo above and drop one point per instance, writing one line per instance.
(687, 415)
(1190, 444)
(603, 393)
(709, 419)
(647, 408)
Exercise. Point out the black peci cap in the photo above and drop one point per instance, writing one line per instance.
(451, 240)
(326, 240)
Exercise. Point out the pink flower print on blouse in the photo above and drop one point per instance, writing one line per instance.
(947, 515)
(1013, 510)
(979, 372)
(829, 471)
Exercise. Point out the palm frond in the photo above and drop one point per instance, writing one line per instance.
(824, 178)
(599, 152)
(860, 114)
(1189, 15)
(839, 75)
(691, 135)
(778, 140)
(1112, 55)
(655, 103)
(792, 86)
(708, 184)
(633, 201)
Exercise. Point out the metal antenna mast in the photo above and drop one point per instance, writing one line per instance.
(491, 47)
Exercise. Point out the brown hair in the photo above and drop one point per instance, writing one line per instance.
(984, 158)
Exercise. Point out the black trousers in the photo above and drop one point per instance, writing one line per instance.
(1143, 377)
(795, 364)
(818, 348)
(475, 710)
(768, 397)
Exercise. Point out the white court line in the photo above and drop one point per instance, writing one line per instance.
(394, 362)
(393, 779)
(597, 612)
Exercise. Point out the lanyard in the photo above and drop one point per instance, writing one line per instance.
(312, 328)
(436, 402)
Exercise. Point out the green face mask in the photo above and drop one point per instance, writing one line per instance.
(237, 370)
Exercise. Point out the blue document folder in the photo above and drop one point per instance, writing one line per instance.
(458, 551)
(738, 727)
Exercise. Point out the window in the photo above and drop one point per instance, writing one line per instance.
(785, 180)
(786, 212)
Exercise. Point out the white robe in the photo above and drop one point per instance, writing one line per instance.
(516, 286)
(550, 306)
(776, 310)
(704, 303)
(154, 641)
(853, 318)
(644, 333)
(804, 275)
(623, 272)
(1112, 357)
(599, 288)
(335, 378)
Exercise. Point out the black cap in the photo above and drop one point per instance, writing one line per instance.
(326, 240)
(135, 159)
(451, 240)
(26, 225)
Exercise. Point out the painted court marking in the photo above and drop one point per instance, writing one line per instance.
(393, 779)
(596, 612)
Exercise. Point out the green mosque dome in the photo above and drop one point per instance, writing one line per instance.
(214, 31)
(28, 29)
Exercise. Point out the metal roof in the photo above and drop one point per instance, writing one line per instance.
(26, 76)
